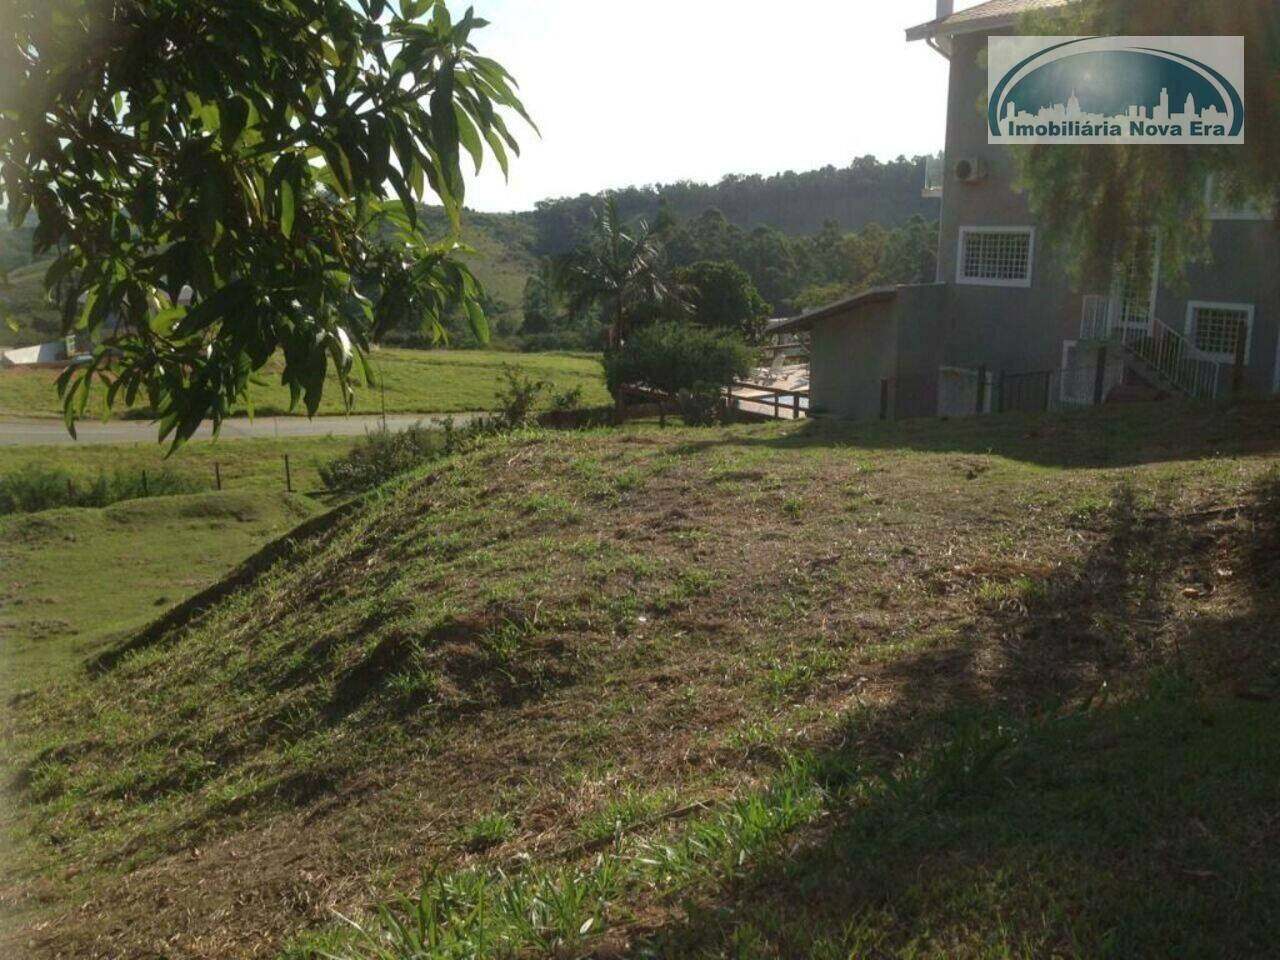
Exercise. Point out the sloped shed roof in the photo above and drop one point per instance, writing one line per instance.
(994, 13)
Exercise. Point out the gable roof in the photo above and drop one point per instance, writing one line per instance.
(985, 16)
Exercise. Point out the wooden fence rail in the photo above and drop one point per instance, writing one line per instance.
(769, 402)
(783, 404)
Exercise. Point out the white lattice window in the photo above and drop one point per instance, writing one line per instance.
(996, 256)
(1215, 328)
(1221, 206)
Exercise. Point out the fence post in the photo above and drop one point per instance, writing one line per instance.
(1048, 390)
(217, 475)
(1000, 392)
(1237, 367)
(288, 476)
(884, 399)
(145, 492)
(982, 390)
(795, 406)
(1100, 377)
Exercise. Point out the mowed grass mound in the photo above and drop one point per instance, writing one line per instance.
(968, 689)
(409, 381)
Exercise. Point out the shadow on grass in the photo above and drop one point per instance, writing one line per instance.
(1143, 824)
(168, 628)
(1113, 436)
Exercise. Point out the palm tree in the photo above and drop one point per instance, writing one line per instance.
(618, 270)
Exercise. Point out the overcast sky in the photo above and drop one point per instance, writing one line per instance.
(636, 93)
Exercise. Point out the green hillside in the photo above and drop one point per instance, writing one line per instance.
(992, 688)
(503, 261)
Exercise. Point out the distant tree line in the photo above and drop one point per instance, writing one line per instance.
(797, 204)
(714, 272)
(740, 251)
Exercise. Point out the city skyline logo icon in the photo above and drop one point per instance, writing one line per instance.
(1087, 90)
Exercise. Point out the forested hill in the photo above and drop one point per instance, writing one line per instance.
(798, 204)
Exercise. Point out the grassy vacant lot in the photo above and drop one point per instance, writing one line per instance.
(969, 689)
(415, 381)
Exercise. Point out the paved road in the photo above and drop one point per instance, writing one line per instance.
(16, 432)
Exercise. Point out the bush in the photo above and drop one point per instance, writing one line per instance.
(383, 455)
(565, 340)
(673, 358)
(566, 400)
(380, 456)
(723, 297)
(37, 487)
(518, 397)
(701, 406)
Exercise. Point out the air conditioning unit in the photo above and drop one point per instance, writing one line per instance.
(970, 170)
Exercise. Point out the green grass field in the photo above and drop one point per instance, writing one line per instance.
(71, 581)
(1002, 687)
(245, 465)
(413, 381)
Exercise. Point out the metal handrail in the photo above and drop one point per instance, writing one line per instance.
(1166, 350)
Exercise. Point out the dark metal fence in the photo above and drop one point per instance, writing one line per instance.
(967, 392)
(1024, 392)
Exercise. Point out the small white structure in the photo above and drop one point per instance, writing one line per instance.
(59, 351)
(55, 352)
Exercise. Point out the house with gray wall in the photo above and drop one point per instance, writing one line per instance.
(1004, 327)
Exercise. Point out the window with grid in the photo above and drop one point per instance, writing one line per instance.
(1217, 330)
(1223, 207)
(996, 257)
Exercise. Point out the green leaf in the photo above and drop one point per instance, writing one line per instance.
(234, 116)
(164, 321)
(445, 135)
(211, 210)
(469, 136)
(499, 152)
(476, 320)
(18, 210)
(90, 302)
(336, 157)
(287, 207)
